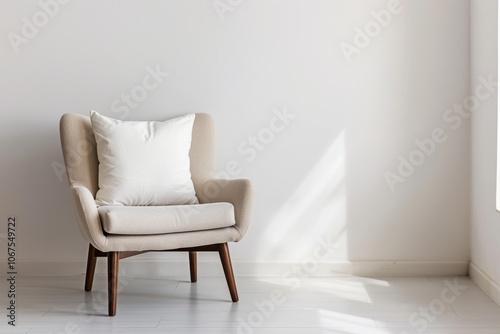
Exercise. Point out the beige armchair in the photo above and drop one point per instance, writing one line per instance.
(80, 156)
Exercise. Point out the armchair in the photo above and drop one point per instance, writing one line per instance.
(81, 161)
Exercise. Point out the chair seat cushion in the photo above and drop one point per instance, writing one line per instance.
(141, 220)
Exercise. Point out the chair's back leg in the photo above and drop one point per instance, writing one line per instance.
(113, 259)
(91, 262)
(228, 270)
(193, 269)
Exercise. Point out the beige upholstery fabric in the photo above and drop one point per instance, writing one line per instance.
(78, 146)
(142, 220)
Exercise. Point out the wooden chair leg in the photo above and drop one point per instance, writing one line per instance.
(193, 269)
(113, 259)
(91, 262)
(228, 270)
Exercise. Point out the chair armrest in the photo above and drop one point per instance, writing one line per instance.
(237, 192)
(88, 217)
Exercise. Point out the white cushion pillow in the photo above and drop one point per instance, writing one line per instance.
(144, 163)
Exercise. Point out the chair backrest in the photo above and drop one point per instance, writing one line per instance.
(80, 154)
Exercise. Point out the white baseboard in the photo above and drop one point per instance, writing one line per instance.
(488, 285)
(403, 268)
(133, 267)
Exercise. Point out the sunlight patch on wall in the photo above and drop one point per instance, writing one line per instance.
(315, 210)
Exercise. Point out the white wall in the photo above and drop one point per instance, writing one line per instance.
(322, 177)
(485, 232)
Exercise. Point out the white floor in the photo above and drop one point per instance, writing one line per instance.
(267, 305)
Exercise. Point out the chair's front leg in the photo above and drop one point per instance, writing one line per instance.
(228, 270)
(193, 268)
(113, 259)
(91, 262)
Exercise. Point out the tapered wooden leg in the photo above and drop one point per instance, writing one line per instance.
(193, 266)
(113, 258)
(91, 261)
(228, 270)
